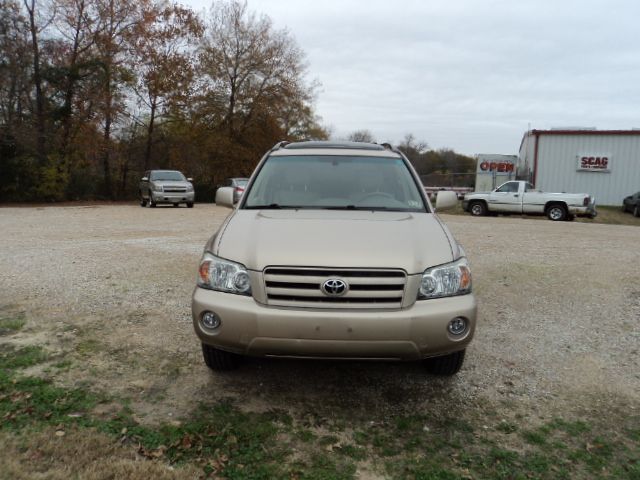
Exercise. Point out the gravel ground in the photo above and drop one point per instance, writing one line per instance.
(109, 288)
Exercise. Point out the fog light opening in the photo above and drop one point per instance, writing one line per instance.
(210, 320)
(457, 326)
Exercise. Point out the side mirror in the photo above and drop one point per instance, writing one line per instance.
(446, 200)
(189, 179)
(145, 179)
(224, 197)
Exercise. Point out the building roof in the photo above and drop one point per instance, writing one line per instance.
(535, 132)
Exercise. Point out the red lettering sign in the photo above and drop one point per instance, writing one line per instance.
(502, 167)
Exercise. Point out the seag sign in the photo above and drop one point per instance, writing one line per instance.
(594, 163)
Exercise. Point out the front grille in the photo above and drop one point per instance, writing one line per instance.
(175, 189)
(301, 287)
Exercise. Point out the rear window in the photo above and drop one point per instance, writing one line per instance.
(335, 182)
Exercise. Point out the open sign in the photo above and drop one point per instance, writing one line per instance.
(497, 166)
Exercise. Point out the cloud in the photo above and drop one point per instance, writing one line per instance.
(467, 74)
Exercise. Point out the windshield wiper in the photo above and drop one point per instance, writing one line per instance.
(272, 206)
(353, 207)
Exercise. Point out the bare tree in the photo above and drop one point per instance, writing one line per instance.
(116, 21)
(361, 136)
(251, 68)
(162, 45)
(36, 25)
(76, 25)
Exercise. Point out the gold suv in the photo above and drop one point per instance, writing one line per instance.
(334, 251)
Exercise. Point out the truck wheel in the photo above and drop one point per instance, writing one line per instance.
(446, 364)
(557, 212)
(143, 201)
(189, 204)
(636, 211)
(219, 359)
(478, 209)
(152, 204)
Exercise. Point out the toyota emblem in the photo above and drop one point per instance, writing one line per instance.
(334, 287)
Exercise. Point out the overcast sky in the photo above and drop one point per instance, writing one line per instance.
(466, 74)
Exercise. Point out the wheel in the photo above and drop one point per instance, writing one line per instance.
(143, 201)
(176, 205)
(190, 204)
(152, 204)
(446, 364)
(219, 359)
(636, 211)
(478, 209)
(557, 212)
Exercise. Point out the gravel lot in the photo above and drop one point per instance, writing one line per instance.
(108, 287)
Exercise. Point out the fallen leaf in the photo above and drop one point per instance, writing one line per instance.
(186, 442)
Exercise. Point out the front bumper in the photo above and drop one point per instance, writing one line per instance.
(250, 328)
(173, 197)
(580, 211)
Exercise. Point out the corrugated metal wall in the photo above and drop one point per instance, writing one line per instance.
(558, 165)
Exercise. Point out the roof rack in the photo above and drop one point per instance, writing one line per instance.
(279, 145)
(336, 145)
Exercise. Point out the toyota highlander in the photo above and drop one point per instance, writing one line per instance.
(334, 251)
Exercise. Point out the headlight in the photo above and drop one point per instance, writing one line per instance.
(222, 275)
(446, 280)
(156, 188)
(189, 188)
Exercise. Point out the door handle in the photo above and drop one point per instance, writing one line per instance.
(516, 195)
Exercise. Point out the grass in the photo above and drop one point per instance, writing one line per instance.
(12, 324)
(613, 215)
(224, 442)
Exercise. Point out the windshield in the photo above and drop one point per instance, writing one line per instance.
(167, 175)
(335, 182)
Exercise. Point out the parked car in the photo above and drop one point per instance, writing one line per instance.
(166, 186)
(522, 198)
(632, 204)
(238, 184)
(334, 251)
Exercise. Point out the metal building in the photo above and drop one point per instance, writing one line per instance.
(604, 163)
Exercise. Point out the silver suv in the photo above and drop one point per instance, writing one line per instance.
(334, 251)
(166, 186)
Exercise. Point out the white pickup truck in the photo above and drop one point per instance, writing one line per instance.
(519, 197)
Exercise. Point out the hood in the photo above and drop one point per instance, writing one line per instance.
(330, 238)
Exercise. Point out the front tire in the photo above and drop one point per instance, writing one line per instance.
(446, 364)
(152, 204)
(478, 209)
(636, 211)
(143, 201)
(189, 204)
(557, 213)
(219, 360)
